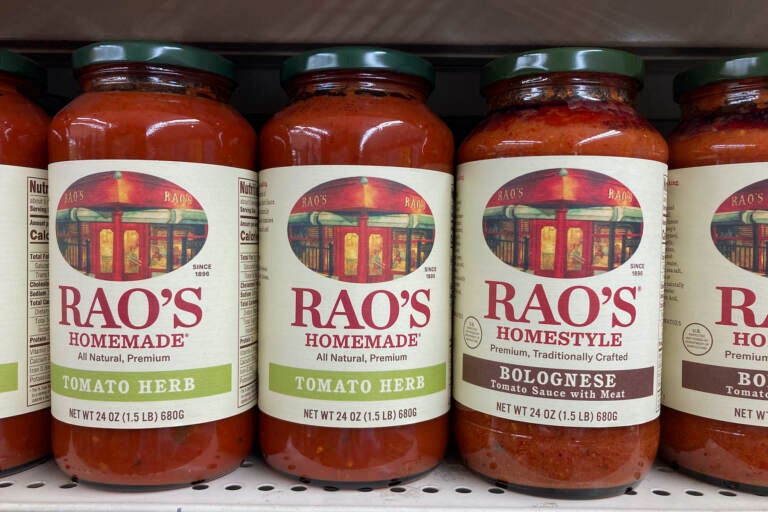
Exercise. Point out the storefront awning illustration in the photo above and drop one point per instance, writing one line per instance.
(564, 188)
(362, 193)
(595, 213)
(150, 216)
(126, 190)
(390, 220)
(741, 217)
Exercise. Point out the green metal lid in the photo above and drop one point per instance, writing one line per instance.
(357, 57)
(153, 52)
(16, 64)
(733, 68)
(558, 60)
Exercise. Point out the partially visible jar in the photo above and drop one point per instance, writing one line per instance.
(355, 271)
(560, 199)
(24, 380)
(714, 421)
(153, 316)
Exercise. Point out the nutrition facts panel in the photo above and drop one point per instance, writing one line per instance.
(248, 268)
(38, 346)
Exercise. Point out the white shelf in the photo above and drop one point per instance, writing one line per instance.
(253, 487)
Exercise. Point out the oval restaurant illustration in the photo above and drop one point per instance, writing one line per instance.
(563, 223)
(361, 229)
(125, 226)
(740, 228)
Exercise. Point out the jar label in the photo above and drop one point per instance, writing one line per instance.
(153, 286)
(716, 305)
(354, 280)
(558, 289)
(24, 359)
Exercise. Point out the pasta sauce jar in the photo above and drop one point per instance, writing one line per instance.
(714, 423)
(559, 218)
(154, 201)
(355, 226)
(24, 368)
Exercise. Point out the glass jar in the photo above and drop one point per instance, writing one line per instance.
(712, 423)
(24, 383)
(153, 376)
(357, 174)
(560, 195)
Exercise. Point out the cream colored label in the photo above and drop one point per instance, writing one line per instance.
(355, 277)
(558, 289)
(153, 292)
(24, 359)
(716, 305)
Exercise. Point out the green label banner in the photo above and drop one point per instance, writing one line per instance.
(357, 386)
(141, 386)
(9, 377)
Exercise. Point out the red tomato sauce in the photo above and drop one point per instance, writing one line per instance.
(558, 119)
(719, 127)
(24, 438)
(345, 108)
(190, 123)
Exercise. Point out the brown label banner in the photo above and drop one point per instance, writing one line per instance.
(722, 380)
(559, 383)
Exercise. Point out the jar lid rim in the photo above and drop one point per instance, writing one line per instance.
(750, 65)
(24, 67)
(153, 52)
(563, 59)
(357, 58)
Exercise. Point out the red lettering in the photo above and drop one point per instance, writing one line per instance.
(70, 298)
(541, 304)
(564, 306)
(537, 301)
(501, 295)
(394, 310)
(625, 306)
(188, 307)
(420, 307)
(343, 307)
(728, 306)
(124, 309)
(741, 339)
(379, 309)
(299, 307)
(100, 301)
(129, 305)
(494, 287)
